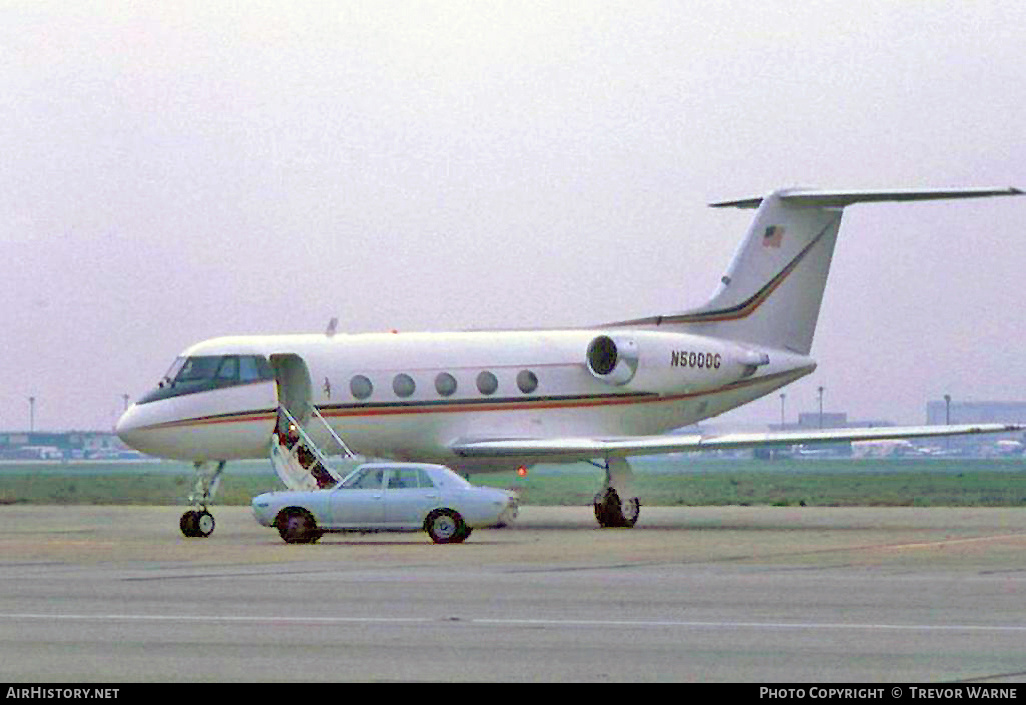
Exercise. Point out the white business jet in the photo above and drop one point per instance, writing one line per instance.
(498, 400)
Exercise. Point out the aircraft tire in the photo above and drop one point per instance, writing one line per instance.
(609, 510)
(204, 524)
(188, 524)
(446, 526)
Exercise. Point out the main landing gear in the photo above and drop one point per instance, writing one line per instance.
(198, 522)
(615, 504)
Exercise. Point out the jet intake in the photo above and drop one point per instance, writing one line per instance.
(614, 361)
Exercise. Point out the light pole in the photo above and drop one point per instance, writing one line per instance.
(947, 420)
(820, 389)
(32, 414)
(782, 398)
(124, 398)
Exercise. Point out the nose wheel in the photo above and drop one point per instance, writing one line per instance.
(197, 524)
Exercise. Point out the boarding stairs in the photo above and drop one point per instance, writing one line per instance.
(299, 461)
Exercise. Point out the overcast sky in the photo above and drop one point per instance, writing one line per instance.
(171, 172)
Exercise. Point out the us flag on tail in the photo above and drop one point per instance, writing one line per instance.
(773, 236)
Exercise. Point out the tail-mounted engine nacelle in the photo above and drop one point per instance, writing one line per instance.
(613, 360)
(676, 363)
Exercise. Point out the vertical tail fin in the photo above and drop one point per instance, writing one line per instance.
(773, 287)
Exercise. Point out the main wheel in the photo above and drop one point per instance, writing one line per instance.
(297, 526)
(446, 526)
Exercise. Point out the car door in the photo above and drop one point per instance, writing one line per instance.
(360, 500)
(408, 497)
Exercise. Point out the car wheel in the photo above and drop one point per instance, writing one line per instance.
(446, 526)
(297, 526)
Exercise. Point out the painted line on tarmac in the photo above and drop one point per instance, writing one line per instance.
(511, 622)
(949, 542)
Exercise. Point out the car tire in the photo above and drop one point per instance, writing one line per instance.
(446, 526)
(297, 526)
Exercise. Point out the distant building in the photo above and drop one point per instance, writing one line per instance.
(962, 412)
(813, 421)
(70, 445)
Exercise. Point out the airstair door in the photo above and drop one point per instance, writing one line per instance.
(292, 380)
(300, 464)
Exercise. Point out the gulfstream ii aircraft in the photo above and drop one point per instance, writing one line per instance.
(498, 400)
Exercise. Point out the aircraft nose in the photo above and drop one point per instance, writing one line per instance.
(127, 427)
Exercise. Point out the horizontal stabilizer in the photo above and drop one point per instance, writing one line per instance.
(840, 199)
(587, 448)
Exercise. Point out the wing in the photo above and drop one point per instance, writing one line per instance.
(587, 448)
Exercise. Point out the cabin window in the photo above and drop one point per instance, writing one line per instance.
(361, 387)
(487, 383)
(527, 381)
(403, 385)
(445, 384)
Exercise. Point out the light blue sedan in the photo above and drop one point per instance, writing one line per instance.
(388, 497)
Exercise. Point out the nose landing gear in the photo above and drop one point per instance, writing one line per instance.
(198, 522)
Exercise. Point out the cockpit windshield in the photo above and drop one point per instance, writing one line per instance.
(200, 373)
(172, 371)
(198, 368)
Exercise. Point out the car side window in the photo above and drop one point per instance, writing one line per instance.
(369, 479)
(403, 480)
(424, 479)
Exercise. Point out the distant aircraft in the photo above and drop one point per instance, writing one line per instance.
(496, 400)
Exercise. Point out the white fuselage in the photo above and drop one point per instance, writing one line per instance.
(515, 384)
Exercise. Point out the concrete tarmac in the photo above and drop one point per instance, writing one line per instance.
(710, 594)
